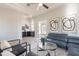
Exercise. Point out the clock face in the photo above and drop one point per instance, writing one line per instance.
(54, 24)
(68, 24)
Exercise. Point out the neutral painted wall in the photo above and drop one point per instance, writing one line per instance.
(11, 21)
(65, 10)
(10, 24)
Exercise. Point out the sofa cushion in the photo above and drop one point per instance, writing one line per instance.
(57, 36)
(61, 44)
(73, 51)
(74, 40)
(72, 45)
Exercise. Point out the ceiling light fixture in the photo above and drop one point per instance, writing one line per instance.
(40, 4)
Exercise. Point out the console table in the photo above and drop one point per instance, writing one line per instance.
(28, 34)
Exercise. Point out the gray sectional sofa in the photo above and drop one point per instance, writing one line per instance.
(73, 46)
(69, 43)
(58, 38)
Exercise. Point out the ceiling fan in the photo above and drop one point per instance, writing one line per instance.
(39, 5)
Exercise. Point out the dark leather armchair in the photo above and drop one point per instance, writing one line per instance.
(18, 49)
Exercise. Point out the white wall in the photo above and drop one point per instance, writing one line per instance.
(10, 24)
(65, 10)
(11, 21)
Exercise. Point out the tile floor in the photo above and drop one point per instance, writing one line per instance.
(34, 41)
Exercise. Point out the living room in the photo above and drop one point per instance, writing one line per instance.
(46, 29)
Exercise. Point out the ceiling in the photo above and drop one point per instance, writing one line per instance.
(32, 9)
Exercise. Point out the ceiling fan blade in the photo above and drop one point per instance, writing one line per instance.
(45, 6)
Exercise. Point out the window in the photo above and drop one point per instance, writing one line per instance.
(32, 25)
(42, 28)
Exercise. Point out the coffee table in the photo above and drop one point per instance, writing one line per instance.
(48, 47)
